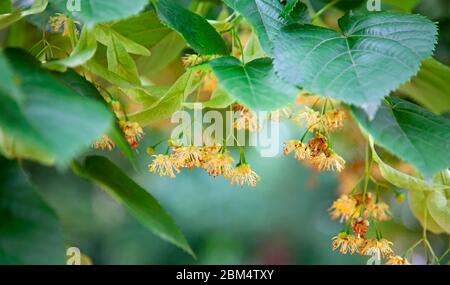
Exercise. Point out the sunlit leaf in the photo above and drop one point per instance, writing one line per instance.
(268, 17)
(253, 84)
(411, 133)
(369, 58)
(431, 87)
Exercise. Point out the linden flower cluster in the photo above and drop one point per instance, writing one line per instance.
(215, 160)
(61, 21)
(356, 210)
(245, 119)
(316, 152)
(132, 131)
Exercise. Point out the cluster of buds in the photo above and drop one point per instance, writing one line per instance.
(194, 59)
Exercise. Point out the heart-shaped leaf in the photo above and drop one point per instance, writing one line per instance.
(253, 84)
(268, 17)
(411, 133)
(371, 57)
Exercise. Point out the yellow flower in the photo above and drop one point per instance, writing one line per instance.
(397, 260)
(347, 243)
(218, 164)
(379, 211)
(243, 174)
(245, 119)
(334, 120)
(187, 156)
(318, 145)
(163, 165)
(61, 20)
(212, 149)
(309, 118)
(133, 132)
(377, 247)
(301, 150)
(105, 143)
(332, 162)
(360, 226)
(343, 207)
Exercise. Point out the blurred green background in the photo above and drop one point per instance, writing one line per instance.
(283, 221)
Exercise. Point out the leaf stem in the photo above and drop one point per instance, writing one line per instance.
(321, 11)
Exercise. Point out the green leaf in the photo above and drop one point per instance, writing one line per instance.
(73, 81)
(253, 49)
(253, 84)
(135, 198)
(30, 232)
(163, 53)
(5, 7)
(146, 95)
(144, 29)
(371, 57)
(37, 7)
(83, 52)
(120, 62)
(438, 204)
(431, 87)
(398, 178)
(219, 100)
(55, 122)
(104, 34)
(99, 70)
(200, 35)
(418, 205)
(171, 101)
(100, 11)
(411, 133)
(404, 5)
(266, 17)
